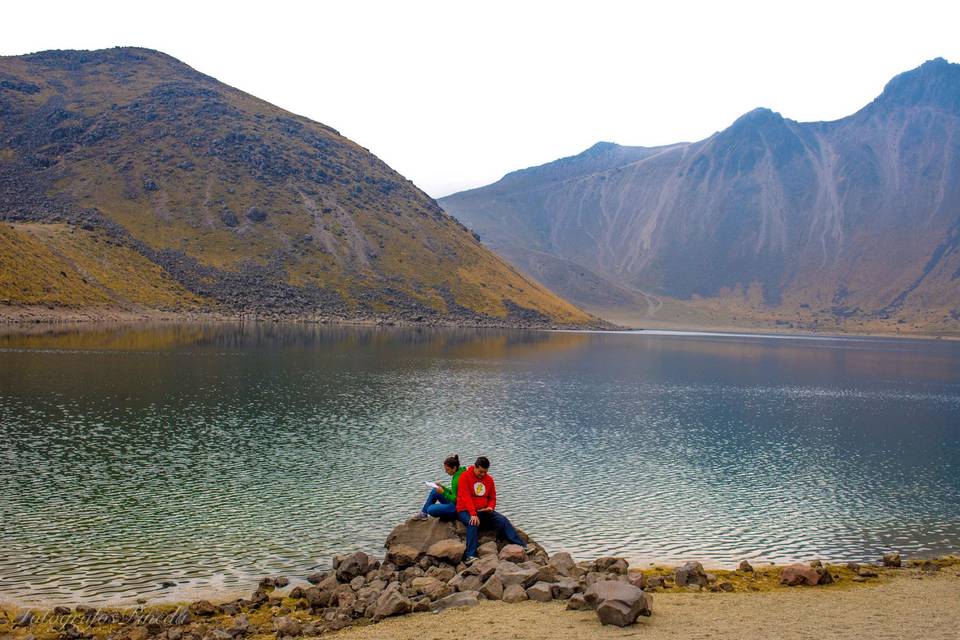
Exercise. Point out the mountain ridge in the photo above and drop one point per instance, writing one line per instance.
(769, 218)
(245, 206)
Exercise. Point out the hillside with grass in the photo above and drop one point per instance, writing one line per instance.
(130, 180)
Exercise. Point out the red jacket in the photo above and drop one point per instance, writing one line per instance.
(474, 494)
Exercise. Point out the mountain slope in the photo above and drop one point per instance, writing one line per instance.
(826, 224)
(236, 204)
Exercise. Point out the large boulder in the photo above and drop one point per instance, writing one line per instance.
(541, 592)
(797, 574)
(416, 539)
(492, 589)
(513, 553)
(617, 602)
(514, 593)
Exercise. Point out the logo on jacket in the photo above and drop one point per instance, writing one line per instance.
(479, 489)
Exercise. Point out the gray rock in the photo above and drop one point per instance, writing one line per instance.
(487, 548)
(24, 619)
(611, 564)
(577, 602)
(562, 562)
(456, 600)
(745, 566)
(513, 553)
(450, 550)
(484, 567)
(403, 555)
(514, 574)
(618, 603)
(514, 593)
(540, 591)
(465, 581)
(690, 573)
(281, 581)
(391, 603)
(492, 589)
(891, 559)
(286, 626)
(357, 583)
(563, 589)
(547, 573)
(356, 564)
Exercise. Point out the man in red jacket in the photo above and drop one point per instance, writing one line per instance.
(476, 500)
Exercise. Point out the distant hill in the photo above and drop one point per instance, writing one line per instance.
(129, 180)
(850, 224)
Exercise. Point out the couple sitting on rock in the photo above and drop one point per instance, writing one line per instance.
(471, 499)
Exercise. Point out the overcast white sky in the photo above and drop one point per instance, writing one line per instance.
(455, 94)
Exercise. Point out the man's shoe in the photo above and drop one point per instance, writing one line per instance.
(420, 516)
(470, 560)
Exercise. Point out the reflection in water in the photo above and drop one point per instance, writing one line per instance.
(213, 454)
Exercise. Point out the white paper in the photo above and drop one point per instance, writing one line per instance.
(432, 485)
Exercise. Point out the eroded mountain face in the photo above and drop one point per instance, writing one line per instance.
(243, 205)
(853, 220)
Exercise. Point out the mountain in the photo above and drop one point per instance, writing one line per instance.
(850, 224)
(128, 180)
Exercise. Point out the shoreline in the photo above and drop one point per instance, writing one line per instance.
(40, 318)
(764, 574)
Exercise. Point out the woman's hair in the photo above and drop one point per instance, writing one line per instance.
(452, 461)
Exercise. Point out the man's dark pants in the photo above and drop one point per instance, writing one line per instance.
(488, 520)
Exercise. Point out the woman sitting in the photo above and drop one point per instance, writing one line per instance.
(443, 503)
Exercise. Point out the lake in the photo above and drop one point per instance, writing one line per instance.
(210, 455)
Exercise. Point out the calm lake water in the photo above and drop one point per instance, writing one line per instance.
(209, 455)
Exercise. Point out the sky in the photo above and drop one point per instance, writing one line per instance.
(453, 95)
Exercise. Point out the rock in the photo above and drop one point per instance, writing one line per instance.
(456, 600)
(637, 579)
(514, 574)
(487, 548)
(563, 588)
(929, 566)
(492, 589)
(204, 608)
(449, 550)
(484, 567)
(24, 619)
(402, 555)
(431, 587)
(540, 591)
(465, 581)
(514, 593)
(867, 572)
(854, 566)
(444, 574)
(421, 604)
(281, 581)
(745, 566)
(266, 583)
(546, 573)
(61, 611)
(241, 627)
(420, 535)
(690, 573)
(256, 215)
(391, 603)
(315, 578)
(285, 626)
(356, 564)
(823, 575)
(513, 553)
(652, 582)
(316, 597)
(891, 559)
(815, 564)
(562, 562)
(618, 603)
(577, 602)
(798, 574)
(357, 583)
(610, 564)
(296, 593)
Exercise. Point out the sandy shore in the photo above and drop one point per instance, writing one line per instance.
(907, 604)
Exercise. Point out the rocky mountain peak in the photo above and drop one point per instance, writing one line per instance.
(935, 83)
